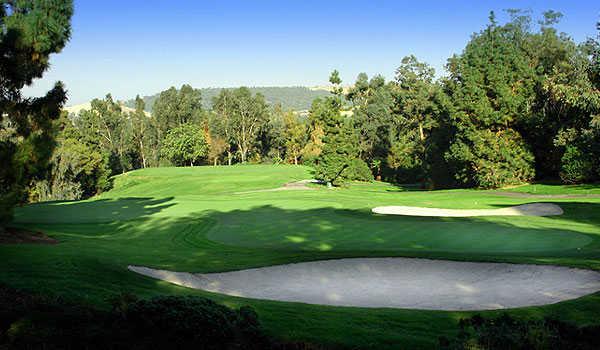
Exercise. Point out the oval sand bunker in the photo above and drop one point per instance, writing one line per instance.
(531, 209)
(397, 282)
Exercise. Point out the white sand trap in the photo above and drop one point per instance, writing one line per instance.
(531, 209)
(397, 282)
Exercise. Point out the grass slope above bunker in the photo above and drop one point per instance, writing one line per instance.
(558, 189)
(191, 219)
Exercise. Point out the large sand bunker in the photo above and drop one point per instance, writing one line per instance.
(397, 282)
(531, 209)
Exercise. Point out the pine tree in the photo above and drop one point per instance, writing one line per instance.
(29, 32)
(493, 88)
(340, 143)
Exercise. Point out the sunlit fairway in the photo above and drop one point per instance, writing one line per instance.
(196, 219)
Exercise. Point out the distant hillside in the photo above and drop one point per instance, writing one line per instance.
(75, 109)
(290, 97)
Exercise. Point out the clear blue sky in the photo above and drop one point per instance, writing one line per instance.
(130, 47)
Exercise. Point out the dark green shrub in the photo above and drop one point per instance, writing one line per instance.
(183, 322)
(576, 166)
(357, 170)
(122, 302)
(29, 321)
(506, 332)
(491, 159)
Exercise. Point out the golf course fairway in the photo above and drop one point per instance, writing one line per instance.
(217, 219)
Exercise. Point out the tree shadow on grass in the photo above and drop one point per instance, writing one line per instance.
(91, 211)
(218, 241)
(213, 241)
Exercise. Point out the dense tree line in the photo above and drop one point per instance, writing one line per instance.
(109, 139)
(519, 103)
(536, 105)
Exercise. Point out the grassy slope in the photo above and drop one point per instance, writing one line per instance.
(195, 220)
(543, 189)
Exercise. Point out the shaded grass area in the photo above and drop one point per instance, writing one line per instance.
(186, 219)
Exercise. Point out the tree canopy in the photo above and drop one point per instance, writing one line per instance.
(185, 144)
(30, 31)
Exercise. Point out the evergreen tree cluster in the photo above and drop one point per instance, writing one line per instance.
(517, 105)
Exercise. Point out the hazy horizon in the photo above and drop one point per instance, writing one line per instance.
(145, 47)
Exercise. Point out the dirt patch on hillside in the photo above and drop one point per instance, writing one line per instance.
(12, 235)
(290, 186)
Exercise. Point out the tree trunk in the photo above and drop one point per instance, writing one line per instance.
(228, 158)
(215, 162)
(295, 160)
(421, 134)
(243, 155)
(142, 154)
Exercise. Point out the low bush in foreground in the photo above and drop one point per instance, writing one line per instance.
(506, 332)
(30, 321)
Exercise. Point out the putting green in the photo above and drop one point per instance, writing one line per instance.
(327, 229)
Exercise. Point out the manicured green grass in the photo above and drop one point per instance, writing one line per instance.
(199, 219)
(548, 188)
